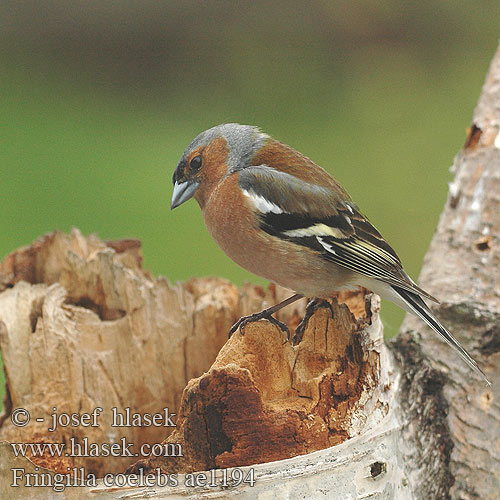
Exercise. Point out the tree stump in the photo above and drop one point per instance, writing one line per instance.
(84, 327)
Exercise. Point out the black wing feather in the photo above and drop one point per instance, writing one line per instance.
(360, 248)
(422, 310)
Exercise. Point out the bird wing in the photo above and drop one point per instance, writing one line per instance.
(324, 219)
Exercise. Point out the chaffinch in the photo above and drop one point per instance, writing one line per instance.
(280, 216)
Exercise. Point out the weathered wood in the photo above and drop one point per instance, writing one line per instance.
(270, 400)
(263, 400)
(82, 326)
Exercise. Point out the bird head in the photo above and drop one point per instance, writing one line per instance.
(211, 156)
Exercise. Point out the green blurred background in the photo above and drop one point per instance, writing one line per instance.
(100, 98)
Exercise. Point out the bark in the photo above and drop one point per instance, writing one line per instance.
(338, 416)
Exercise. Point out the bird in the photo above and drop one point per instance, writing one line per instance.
(281, 216)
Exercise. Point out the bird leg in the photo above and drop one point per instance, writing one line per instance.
(266, 314)
(312, 306)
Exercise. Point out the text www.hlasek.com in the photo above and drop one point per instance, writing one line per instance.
(87, 449)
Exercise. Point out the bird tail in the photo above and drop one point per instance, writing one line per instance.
(417, 306)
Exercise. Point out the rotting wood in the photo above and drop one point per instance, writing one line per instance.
(91, 329)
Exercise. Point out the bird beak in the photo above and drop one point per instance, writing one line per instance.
(183, 191)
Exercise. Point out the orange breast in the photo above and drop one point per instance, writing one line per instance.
(234, 226)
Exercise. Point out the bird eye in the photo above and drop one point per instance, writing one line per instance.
(195, 163)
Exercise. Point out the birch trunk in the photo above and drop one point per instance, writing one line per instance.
(451, 420)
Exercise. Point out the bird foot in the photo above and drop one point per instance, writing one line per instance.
(312, 306)
(242, 322)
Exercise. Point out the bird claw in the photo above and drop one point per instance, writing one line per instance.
(312, 306)
(282, 326)
(242, 322)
